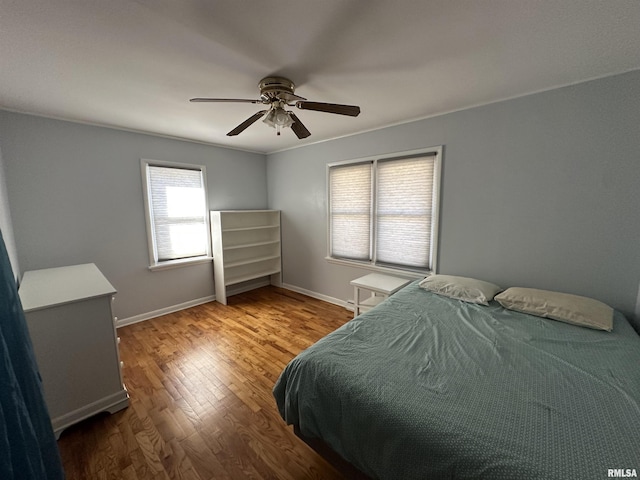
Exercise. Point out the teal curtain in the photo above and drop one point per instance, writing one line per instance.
(28, 448)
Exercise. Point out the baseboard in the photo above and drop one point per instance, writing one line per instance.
(241, 288)
(121, 322)
(319, 296)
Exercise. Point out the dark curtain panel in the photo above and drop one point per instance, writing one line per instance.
(28, 448)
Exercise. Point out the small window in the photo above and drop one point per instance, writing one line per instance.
(176, 210)
(384, 211)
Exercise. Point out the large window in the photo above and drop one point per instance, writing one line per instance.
(176, 210)
(383, 211)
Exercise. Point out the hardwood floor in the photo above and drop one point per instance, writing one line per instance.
(201, 406)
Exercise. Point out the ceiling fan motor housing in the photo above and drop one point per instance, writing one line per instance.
(272, 87)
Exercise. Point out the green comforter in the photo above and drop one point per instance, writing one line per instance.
(425, 387)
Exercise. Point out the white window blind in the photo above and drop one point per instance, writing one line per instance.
(403, 211)
(177, 210)
(350, 211)
(384, 211)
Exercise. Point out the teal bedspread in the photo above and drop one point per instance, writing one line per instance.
(425, 387)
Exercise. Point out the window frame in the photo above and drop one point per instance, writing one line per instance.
(154, 263)
(373, 264)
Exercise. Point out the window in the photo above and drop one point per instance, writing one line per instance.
(176, 211)
(383, 211)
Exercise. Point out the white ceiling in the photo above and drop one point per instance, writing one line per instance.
(134, 64)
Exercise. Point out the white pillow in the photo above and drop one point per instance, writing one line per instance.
(461, 288)
(582, 311)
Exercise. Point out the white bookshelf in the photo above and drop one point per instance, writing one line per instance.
(246, 246)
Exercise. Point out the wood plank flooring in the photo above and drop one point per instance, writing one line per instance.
(201, 405)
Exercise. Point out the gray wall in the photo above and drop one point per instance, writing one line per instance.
(6, 226)
(541, 191)
(76, 197)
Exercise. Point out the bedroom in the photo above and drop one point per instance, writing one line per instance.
(539, 190)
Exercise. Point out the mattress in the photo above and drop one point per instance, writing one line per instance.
(426, 387)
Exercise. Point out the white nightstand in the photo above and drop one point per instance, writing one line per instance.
(381, 286)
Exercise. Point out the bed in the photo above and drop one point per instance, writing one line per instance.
(428, 387)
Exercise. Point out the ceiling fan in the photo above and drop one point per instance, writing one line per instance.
(278, 93)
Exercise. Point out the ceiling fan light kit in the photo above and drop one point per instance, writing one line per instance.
(278, 118)
(278, 93)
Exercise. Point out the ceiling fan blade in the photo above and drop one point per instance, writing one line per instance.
(224, 100)
(249, 121)
(350, 110)
(298, 128)
(290, 97)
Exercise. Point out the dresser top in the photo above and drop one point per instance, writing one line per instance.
(57, 286)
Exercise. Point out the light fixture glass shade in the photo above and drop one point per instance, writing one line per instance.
(269, 118)
(278, 117)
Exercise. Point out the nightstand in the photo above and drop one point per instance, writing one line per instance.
(380, 286)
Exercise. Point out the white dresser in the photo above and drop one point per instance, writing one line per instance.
(68, 313)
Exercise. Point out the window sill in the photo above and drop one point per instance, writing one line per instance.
(180, 263)
(378, 268)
